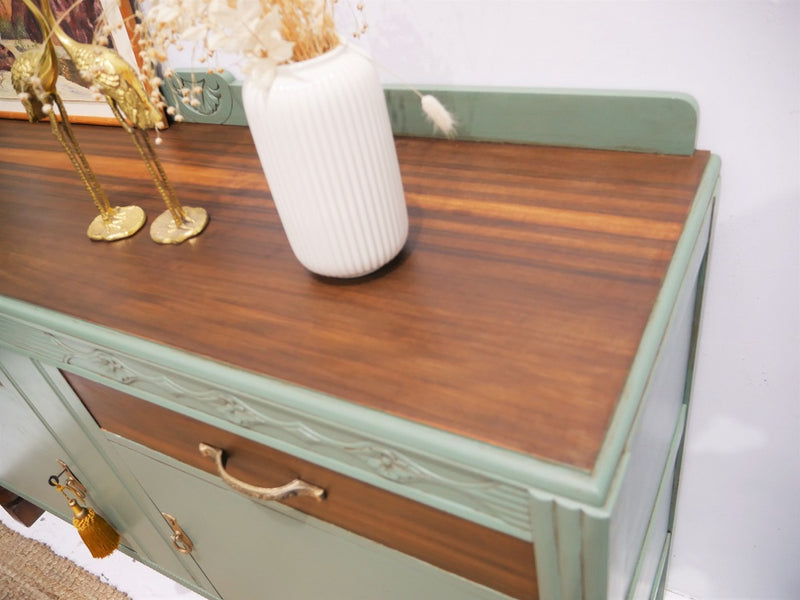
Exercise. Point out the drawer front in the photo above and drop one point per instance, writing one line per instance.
(487, 557)
(249, 550)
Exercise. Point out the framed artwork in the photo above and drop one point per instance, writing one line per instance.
(19, 32)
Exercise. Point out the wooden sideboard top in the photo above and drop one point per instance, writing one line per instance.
(512, 316)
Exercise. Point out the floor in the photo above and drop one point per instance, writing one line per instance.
(135, 579)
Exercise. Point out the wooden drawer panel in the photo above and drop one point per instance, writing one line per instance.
(493, 559)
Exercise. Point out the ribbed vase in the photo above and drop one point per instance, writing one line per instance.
(325, 143)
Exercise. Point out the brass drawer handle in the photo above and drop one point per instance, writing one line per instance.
(296, 487)
(179, 538)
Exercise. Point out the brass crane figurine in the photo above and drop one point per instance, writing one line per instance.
(34, 75)
(108, 72)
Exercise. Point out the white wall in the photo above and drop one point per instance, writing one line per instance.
(738, 523)
(738, 518)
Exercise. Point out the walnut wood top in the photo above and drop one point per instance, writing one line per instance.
(512, 316)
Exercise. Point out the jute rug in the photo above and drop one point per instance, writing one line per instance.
(29, 570)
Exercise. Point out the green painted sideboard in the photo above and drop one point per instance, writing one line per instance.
(498, 413)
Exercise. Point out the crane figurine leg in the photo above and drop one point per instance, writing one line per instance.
(112, 223)
(177, 223)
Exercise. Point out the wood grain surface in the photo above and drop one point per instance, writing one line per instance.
(511, 317)
(493, 559)
(18, 508)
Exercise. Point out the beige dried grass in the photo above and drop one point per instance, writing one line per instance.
(310, 25)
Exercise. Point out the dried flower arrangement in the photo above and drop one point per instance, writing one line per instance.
(264, 33)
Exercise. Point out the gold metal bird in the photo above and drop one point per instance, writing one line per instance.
(34, 75)
(115, 79)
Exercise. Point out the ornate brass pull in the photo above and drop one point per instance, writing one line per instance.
(179, 538)
(296, 487)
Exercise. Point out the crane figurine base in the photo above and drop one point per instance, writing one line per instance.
(122, 223)
(165, 230)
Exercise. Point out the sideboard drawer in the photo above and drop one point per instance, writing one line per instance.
(495, 560)
(249, 550)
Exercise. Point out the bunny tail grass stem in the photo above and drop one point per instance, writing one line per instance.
(439, 115)
(441, 118)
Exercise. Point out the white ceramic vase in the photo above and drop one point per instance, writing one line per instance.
(325, 142)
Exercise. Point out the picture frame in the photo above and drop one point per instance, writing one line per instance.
(16, 26)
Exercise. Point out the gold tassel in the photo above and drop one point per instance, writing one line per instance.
(100, 538)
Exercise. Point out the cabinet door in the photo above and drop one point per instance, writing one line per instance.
(41, 421)
(28, 448)
(250, 550)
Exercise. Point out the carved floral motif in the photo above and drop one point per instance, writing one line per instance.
(495, 499)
